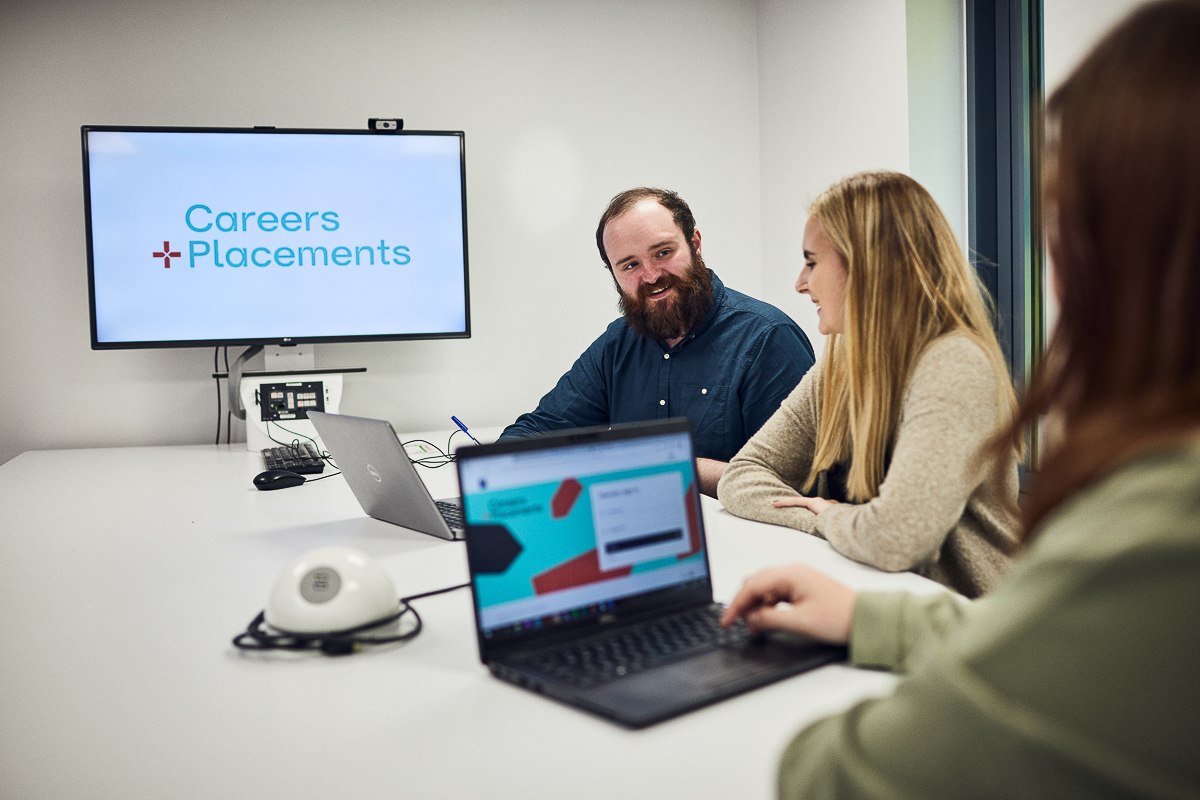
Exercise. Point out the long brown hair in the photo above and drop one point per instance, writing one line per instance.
(1122, 188)
(908, 283)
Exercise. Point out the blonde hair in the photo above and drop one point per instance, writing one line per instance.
(908, 283)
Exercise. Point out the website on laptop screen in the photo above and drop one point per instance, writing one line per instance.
(568, 532)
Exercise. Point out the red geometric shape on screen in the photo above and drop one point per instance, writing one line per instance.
(166, 255)
(693, 517)
(579, 571)
(564, 498)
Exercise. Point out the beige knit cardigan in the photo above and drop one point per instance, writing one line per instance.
(938, 512)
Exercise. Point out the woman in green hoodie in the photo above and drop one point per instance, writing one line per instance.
(1079, 676)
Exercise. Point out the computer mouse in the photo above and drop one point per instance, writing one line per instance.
(331, 589)
(277, 479)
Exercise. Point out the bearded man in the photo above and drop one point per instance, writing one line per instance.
(686, 345)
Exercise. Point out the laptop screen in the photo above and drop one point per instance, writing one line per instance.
(565, 531)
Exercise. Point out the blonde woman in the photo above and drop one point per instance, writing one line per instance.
(878, 449)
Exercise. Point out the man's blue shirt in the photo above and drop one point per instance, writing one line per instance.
(728, 375)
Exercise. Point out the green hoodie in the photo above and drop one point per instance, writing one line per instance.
(1079, 676)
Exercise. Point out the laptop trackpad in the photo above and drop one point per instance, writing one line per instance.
(710, 675)
(720, 668)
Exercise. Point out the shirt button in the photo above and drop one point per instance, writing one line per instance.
(666, 355)
(704, 391)
(662, 402)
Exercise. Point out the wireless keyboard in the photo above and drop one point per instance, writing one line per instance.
(302, 458)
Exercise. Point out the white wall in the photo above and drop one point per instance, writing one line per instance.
(1071, 27)
(937, 116)
(563, 103)
(832, 102)
(1069, 30)
(747, 109)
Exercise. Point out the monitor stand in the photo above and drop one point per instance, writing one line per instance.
(290, 371)
(298, 356)
(277, 402)
(276, 358)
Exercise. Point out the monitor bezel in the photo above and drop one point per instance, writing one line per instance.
(276, 340)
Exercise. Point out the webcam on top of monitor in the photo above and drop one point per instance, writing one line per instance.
(377, 124)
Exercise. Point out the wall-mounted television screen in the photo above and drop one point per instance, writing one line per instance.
(222, 236)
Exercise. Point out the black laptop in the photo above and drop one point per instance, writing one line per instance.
(590, 575)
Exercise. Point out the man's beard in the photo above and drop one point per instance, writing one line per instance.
(693, 298)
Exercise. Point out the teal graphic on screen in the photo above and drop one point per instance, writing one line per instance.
(588, 539)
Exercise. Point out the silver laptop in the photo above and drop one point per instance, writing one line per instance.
(589, 569)
(383, 478)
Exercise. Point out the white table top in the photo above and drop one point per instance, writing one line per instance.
(128, 570)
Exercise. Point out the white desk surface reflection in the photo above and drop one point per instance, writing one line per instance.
(128, 570)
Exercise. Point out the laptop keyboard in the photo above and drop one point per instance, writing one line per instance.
(451, 512)
(626, 651)
(302, 459)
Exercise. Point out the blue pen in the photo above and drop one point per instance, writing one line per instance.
(463, 428)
